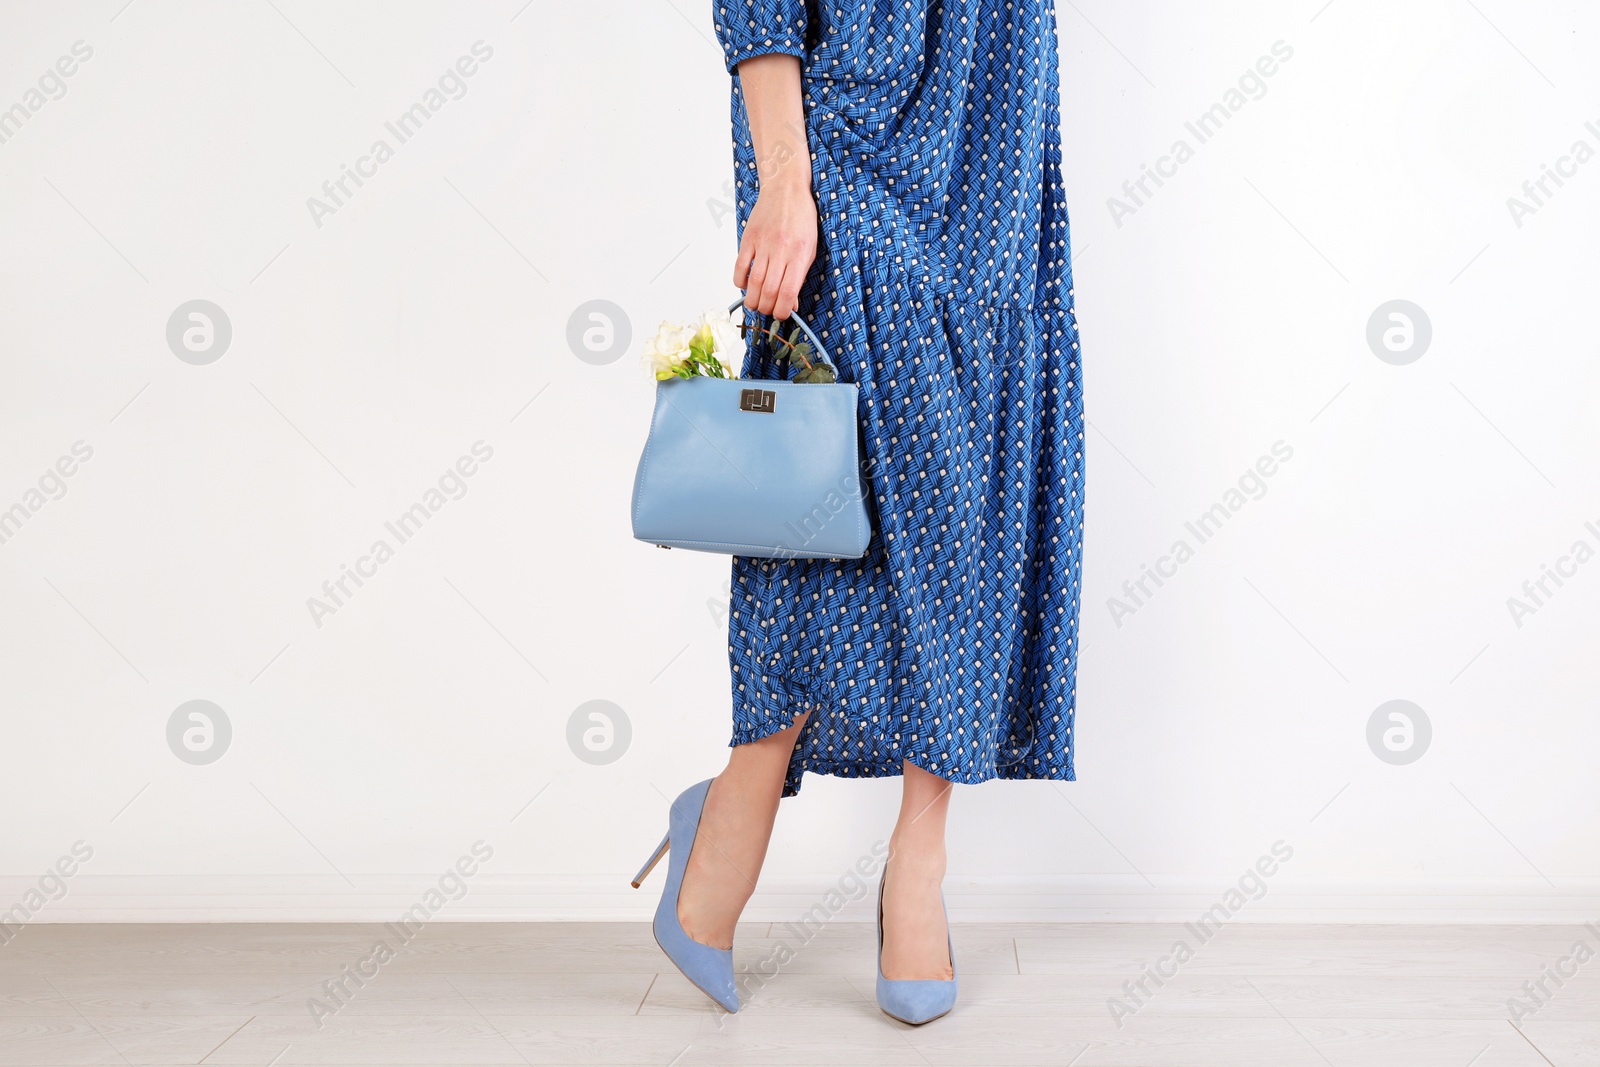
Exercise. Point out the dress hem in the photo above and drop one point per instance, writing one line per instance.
(850, 769)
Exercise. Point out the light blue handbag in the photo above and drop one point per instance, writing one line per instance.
(754, 467)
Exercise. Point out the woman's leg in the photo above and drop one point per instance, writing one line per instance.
(735, 827)
(914, 928)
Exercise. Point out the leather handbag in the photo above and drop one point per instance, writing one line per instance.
(754, 467)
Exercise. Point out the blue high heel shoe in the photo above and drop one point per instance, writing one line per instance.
(914, 1000)
(710, 969)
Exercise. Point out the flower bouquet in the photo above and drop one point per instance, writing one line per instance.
(714, 348)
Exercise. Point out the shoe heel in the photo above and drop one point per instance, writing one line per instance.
(655, 858)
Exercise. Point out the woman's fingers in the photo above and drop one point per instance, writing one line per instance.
(754, 281)
(768, 300)
(741, 265)
(774, 289)
(794, 275)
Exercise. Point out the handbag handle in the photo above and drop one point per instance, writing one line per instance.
(798, 321)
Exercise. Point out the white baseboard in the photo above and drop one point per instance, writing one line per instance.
(555, 898)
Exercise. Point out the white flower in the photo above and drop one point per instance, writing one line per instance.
(730, 342)
(668, 348)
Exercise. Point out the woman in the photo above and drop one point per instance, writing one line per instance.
(920, 142)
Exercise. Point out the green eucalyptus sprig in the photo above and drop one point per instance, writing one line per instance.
(813, 370)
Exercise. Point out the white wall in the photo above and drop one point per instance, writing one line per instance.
(431, 311)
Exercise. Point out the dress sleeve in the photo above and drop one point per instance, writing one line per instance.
(759, 27)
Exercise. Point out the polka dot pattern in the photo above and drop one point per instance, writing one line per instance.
(943, 288)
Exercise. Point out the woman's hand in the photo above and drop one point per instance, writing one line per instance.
(780, 242)
(780, 236)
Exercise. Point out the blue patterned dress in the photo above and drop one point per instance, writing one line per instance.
(943, 287)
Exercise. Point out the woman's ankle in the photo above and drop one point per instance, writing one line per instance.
(914, 858)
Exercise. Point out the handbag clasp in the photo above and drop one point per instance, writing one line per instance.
(762, 400)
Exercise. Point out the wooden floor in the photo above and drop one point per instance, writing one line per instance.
(1276, 996)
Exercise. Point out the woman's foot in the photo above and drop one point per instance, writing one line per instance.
(723, 864)
(735, 827)
(915, 934)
